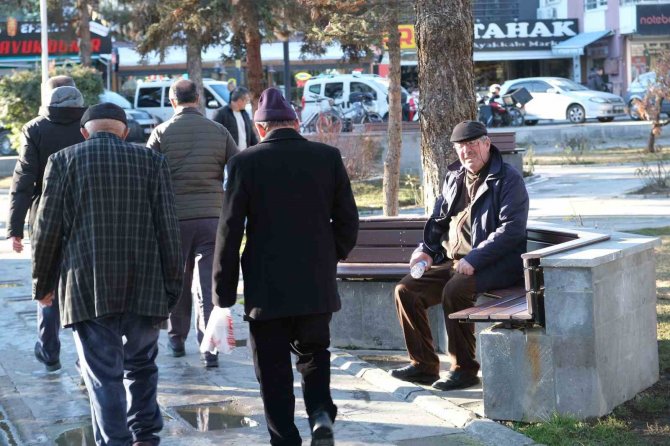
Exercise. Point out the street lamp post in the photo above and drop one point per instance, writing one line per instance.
(287, 72)
(45, 47)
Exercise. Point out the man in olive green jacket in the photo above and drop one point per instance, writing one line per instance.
(197, 150)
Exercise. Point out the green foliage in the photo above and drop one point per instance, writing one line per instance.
(20, 95)
(567, 431)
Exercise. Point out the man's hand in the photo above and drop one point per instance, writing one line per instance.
(419, 256)
(463, 267)
(47, 300)
(17, 244)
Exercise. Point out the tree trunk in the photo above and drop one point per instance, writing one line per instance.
(194, 67)
(651, 142)
(252, 38)
(84, 33)
(444, 30)
(392, 161)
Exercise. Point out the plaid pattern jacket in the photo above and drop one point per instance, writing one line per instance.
(106, 232)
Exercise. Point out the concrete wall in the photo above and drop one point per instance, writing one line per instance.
(599, 346)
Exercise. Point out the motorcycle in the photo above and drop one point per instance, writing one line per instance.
(494, 114)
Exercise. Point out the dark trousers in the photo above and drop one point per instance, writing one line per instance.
(117, 356)
(197, 246)
(272, 342)
(440, 284)
(48, 326)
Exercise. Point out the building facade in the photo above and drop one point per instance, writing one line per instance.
(566, 38)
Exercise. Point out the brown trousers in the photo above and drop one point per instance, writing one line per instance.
(440, 284)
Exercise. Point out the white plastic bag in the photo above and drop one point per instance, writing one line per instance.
(219, 335)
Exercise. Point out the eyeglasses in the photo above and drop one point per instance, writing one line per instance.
(468, 145)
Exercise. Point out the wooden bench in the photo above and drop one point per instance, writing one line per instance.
(385, 245)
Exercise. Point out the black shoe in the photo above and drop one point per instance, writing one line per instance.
(413, 374)
(322, 430)
(456, 380)
(176, 349)
(209, 360)
(51, 366)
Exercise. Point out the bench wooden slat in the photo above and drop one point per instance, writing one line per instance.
(387, 271)
(522, 316)
(516, 291)
(485, 313)
(365, 254)
(465, 314)
(411, 223)
(375, 237)
(506, 314)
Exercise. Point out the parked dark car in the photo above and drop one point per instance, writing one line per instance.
(637, 90)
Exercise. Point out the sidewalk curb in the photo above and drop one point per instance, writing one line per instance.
(487, 431)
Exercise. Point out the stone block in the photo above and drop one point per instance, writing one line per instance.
(568, 311)
(517, 371)
(368, 317)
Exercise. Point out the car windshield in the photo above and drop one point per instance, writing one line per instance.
(568, 85)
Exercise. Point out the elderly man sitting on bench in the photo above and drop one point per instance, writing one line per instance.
(472, 243)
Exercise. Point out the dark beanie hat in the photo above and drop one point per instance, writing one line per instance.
(272, 106)
(106, 110)
(467, 131)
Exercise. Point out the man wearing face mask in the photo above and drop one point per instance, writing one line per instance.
(472, 243)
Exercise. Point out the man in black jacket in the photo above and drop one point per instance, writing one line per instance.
(236, 119)
(56, 127)
(472, 243)
(294, 198)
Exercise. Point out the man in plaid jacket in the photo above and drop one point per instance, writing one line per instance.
(107, 234)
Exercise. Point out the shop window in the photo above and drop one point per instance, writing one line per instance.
(595, 4)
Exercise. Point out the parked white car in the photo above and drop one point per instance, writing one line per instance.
(154, 97)
(562, 99)
(339, 87)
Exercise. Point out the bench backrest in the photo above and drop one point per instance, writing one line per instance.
(387, 240)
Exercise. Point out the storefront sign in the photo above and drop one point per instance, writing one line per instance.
(653, 20)
(22, 39)
(523, 35)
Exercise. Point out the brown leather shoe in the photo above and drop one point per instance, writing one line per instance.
(412, 373)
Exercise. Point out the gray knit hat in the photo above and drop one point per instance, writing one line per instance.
(66, 97)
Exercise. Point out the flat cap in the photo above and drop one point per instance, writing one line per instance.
(106, 110)
(467, 131)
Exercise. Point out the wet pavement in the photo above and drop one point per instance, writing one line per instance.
(204, 407)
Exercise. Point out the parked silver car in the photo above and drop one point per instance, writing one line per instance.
(562, 99)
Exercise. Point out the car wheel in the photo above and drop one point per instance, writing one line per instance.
(576, 114)
(633, 111)
(531, 122)
(515, 118)
(5, 145)
(606, 119)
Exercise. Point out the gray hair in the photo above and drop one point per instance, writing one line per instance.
(272, 125)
